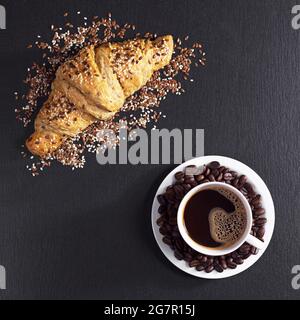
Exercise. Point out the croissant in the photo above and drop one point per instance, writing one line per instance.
(94, 86)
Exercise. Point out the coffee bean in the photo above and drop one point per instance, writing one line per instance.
(254, 250)
(162, 209)
(214, 165)
(199, 177)
(261, 232)
(204, 259)
(223, 263)
(179, 182)
(259, 211)
(244, 249)
(161, 199)
(227, 176)
(188, 257)
(260, 222)
(234, 255)
(220, 177)
(231, 265)
(209, 261)
(194, 263)
(238, 260)
(160, 221)
(242, 180)
(173, 221)
(246, 256)
(215, 173)
(211, 178)
(179, 191)
(209, 269)
(163, 231)
(179, 175)
(167, 240)
(244, 191)
(178, 255)
(233, 173)
(256, 200)
(229, 260)
(218, 267)
(194, 184)
(200, 267)
(249, 187)
(179, 244)
(207, 171)
(221, 169)
(187, 187)
(235, 182)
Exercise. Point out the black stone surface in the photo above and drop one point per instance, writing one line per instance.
(87, 234)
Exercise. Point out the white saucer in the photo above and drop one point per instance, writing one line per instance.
(260, 187)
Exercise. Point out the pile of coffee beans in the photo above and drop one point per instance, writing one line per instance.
(170, 201)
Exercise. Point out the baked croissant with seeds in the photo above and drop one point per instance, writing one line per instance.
(94, 86)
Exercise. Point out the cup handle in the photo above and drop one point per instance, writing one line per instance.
(253, 241)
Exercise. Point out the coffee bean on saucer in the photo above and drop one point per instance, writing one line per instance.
(160, 221)
(188, 257)
(209, 269)
(199, 177)
(214, 165)
(231, 265)
(218, 267)
(187, 187)
(234, 255)
(163, 231)
(256, 200)
(235, 182)
(244, 249)
(211, 178)
(259, 211)
(220, 177)
(260, 222)
(261, 232)
(229, 259)
(194, 263)
(234, 173)
(210, 261)
(179, 175)
(254, 250)
(246, 256)
(200, 267)
(161, 199)
(215, 173)
(242, 181)
(227, 176)
(207, 171)
(223, 263)
(204, 259)
(238, 260)
(178, 255)
(244, 191)
(162, 209)
(167, 240)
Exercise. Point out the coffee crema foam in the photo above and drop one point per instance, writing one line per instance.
(227, 228)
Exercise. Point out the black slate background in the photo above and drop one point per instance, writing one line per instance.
(87, 234)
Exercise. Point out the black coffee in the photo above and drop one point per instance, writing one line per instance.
(214, 218)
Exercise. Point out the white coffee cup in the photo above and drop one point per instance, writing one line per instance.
(245, 237)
